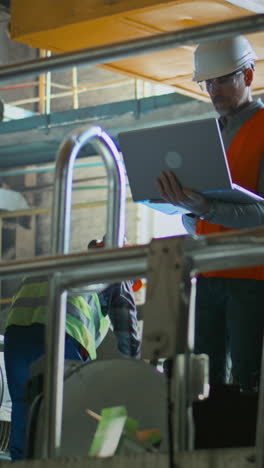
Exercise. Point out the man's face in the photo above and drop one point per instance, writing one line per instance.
(229, 92)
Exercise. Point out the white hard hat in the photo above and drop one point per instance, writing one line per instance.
(221, 57)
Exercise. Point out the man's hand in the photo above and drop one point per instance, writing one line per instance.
(172, 192)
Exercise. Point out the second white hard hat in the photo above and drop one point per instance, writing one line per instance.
(221, 57)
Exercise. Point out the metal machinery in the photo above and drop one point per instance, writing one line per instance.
(169, 266)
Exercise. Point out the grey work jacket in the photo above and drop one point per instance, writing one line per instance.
(235, 215)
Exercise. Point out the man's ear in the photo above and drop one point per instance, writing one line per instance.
(249, 74)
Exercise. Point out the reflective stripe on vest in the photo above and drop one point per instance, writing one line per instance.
(244, 157)
(84, 322)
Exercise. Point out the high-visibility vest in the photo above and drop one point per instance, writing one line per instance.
(244, 156)
(85, 321)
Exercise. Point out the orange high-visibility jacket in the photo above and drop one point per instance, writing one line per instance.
(244, 156)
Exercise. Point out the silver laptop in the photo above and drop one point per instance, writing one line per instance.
(193, 150)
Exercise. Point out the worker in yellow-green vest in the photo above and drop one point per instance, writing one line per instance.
(87, 322)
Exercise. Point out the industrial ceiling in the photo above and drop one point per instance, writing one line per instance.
(36, 139)
(83, 24)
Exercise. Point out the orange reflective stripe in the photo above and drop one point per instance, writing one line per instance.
(244, 156)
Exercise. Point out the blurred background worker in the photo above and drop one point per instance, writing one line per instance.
(229, 307)
(118, 302)
(88, 318)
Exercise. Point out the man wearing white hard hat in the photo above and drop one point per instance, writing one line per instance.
(229, 315)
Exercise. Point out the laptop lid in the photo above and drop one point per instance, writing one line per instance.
(193, 150)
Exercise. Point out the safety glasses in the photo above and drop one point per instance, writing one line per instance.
(224, 80)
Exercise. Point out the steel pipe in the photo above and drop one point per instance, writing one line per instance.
(132, 262)
(115, 231)
(222, 257)
(110, 265)
(67, 154)
(70, 263)
(121, 50)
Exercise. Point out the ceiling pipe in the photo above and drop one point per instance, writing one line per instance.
(122, 50)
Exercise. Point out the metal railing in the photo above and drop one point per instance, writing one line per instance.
(69, 150)
(236, 249)
(61, 216)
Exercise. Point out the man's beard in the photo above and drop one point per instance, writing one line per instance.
(220, 106)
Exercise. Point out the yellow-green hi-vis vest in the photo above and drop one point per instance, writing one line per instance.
(85, 321)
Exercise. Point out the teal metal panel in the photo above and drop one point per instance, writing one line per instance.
(26, 151)
(141, 106)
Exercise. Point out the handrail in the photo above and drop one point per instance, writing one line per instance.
(84, 267)
(67, 154)
(123, 50)
(115, 231)
(243, 248)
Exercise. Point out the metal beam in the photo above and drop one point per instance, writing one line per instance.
(36, 140)
(135, 47)
(235, 249)
(137, 107)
